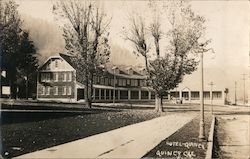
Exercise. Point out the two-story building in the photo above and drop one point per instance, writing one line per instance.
(58, 80)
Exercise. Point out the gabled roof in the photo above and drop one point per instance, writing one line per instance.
(123, 70)
(51, 57)
(68, 59)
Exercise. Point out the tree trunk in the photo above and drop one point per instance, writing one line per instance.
(158, 103)
(91, 90)
(86, 93)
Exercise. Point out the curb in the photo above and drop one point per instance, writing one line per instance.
(209, 152)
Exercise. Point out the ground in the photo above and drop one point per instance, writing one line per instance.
(25, 131)
(233, 133)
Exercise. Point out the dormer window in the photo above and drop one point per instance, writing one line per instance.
(56, 63)
(130, 71)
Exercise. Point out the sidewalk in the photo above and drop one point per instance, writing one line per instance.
(132, 141)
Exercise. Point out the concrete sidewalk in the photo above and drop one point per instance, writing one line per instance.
(132, 141)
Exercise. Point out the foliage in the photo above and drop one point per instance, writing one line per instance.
(85, 27)
(16, 48)
(183, 43)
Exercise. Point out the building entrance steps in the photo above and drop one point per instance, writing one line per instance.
(132, 141)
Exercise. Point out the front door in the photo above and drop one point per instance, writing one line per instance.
(80, 94)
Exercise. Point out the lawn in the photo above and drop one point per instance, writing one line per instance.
(24, 132)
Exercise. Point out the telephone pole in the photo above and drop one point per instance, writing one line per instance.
(202, 125)
(244, 93)
(211, 95)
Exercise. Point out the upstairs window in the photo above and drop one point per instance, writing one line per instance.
(64, 76)
(102, 81)
(69, 76)
(55, 76)
(106, 81)
(43, 77)
(128, 81)
(124, 82)
(136, 82)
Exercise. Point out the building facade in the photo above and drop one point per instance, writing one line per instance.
(58, 80)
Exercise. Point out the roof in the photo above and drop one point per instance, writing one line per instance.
(123, 69)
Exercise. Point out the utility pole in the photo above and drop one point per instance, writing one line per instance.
(211, 95)
(202, 126)
(244, 94)
(235, 89)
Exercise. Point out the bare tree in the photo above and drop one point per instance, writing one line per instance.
(166, 71)
(86, 36)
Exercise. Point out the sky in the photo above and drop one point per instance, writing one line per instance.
(228, 25)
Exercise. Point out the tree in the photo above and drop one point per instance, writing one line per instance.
(85, 32)
(16, 48)
(9, 41)
(183, 42)
(27, 61)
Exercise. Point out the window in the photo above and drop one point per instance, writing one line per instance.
(128, 81)
(56, 63)
(124, 94)
(102, 80)
(43, 77)
(63, 90)
(217, 94)
(47, 90)
(98, 79)
(136, 82)
(185, 95)
(69, 90)
(64, 76)
(95, 79)
(134, 94)
(124, 82)
(195, 95)
(132, 83)
(47, 77)
(102, 94)
(112, 82)
(106, 81)
(120, 82)
(42, 90)
(55, 76)
(144, 94)
(55, 90)
(152, 95)
(96, 93)
(206, 95)
(69, 76)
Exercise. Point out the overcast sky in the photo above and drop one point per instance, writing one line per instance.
(228, 25)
